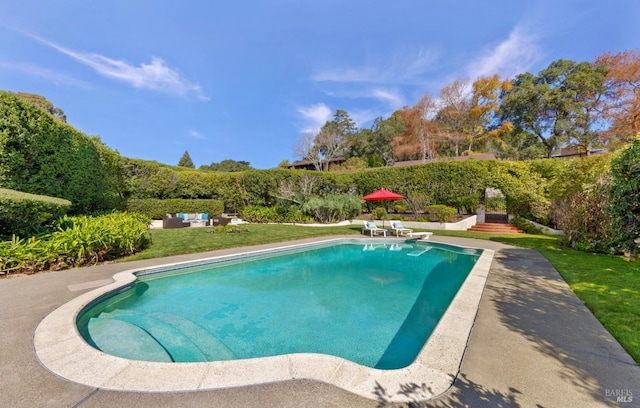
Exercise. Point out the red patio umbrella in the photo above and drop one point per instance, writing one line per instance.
(382, 195)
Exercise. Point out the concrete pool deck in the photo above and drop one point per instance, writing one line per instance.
(532, 343)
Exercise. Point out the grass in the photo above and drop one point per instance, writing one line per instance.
(179, 241)
(608, 286)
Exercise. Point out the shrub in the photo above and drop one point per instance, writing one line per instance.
(440, 213)
(79, 240)
(579, 201)
(156, 208)
(526, 226)
(624, 196)
(25, 214)
(379, 213)
(333, 208)
(256, 213)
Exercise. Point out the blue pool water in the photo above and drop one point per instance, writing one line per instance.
(372, 303)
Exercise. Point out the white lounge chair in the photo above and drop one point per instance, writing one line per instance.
(401, 230)
(373, 228)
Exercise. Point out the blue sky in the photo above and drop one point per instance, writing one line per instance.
(244, 80)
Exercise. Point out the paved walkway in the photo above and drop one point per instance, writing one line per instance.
(534, 344)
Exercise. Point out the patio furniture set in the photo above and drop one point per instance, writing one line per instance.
(182, 220)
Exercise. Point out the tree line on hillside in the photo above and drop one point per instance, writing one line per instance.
(227, 165)
(586, 105)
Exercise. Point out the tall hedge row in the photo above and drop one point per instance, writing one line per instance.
(41, 155)
(460, 184)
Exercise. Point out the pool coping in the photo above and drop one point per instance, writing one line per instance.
(60, 348)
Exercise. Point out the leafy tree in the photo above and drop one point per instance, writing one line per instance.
(228, 165)
(185, 161)
(43, 103)
(384, 132)
(625, 197)
(559, 106)
(335, 137)
(622, 107)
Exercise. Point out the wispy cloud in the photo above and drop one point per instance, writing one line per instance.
(392, 97)
(515, 55)
(315, 116)
(156, 75)
(401, 67)
(197, 135)
(44, 73)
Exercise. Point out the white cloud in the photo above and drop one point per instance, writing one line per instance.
(156, 75)
(515, 55)
(401, 67)
(45, 73)
(390, 96)
(315, 116)
(197, 135)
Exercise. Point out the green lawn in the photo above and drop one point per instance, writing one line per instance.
(178, 241)
(609, 286)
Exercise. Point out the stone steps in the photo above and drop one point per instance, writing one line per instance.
(495, 228)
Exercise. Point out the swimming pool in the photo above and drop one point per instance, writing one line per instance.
(60, 348)
(372, 303)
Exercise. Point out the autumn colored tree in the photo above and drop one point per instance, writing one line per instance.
(484, 125)
(418, 139)
(622, 109)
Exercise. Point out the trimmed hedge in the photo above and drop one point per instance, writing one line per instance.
(156, 208)
(42, 155)
(458, 184)
(25, 214)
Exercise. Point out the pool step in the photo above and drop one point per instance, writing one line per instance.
(181, 339)
(143, 346)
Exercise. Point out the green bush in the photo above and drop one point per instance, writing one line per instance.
(156, 208)
(624, 206)
(333, 208)
(526, 226)
(579, 201)
(259, 214)
(440, 213)
(379, 213)
(79, 240)
(25, 214)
